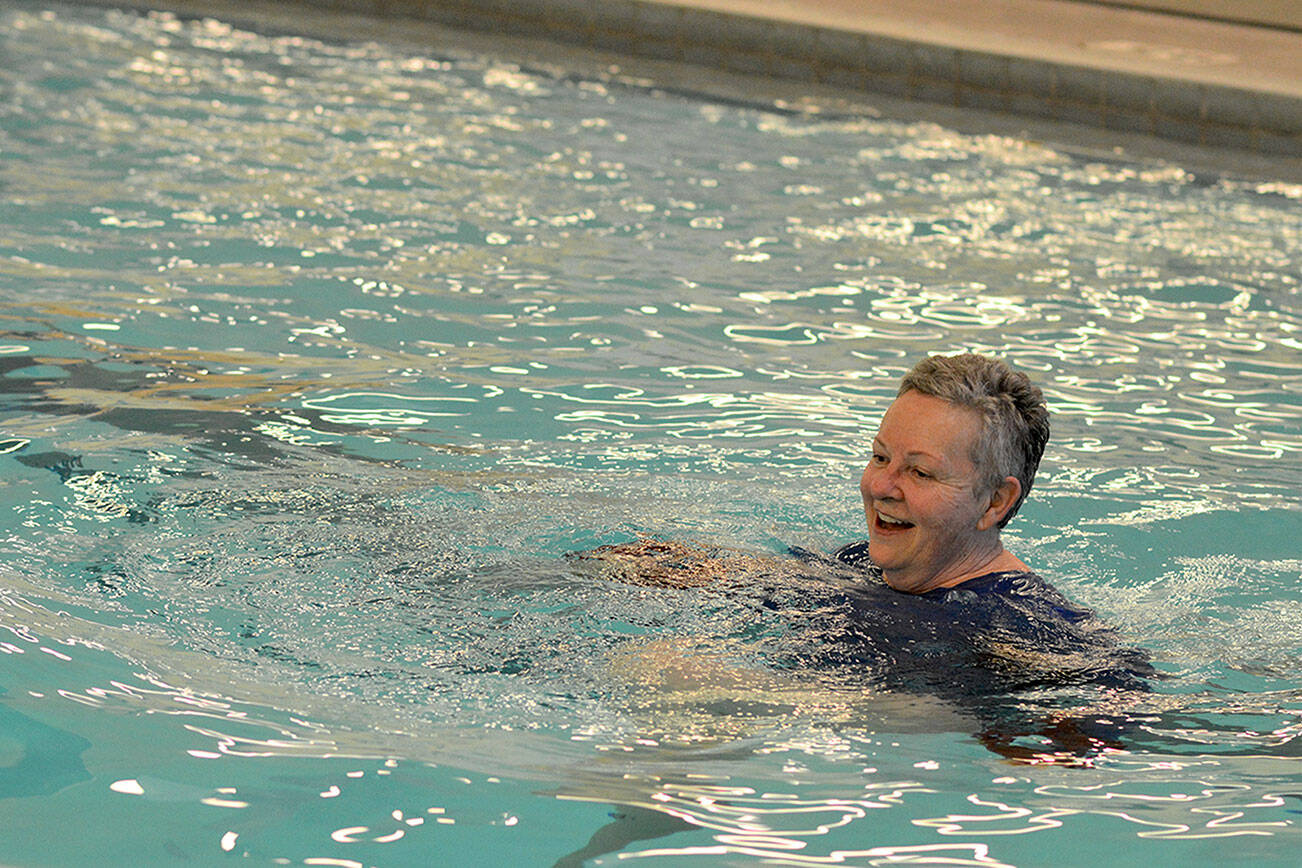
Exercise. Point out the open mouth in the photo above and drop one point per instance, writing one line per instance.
(887, 524)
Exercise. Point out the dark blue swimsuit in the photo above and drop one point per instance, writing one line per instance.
(1005, 647)
(995, 634)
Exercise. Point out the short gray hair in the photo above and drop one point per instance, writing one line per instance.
(1014, 417)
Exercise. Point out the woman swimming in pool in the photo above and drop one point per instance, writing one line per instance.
(932, 602)
(932, 595)
(953, 460)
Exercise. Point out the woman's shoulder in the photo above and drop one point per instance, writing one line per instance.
(1024, 593)
(1024, 585)
(1026, 590)
(855, 554)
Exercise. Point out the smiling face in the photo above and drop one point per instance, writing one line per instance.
(930, 523)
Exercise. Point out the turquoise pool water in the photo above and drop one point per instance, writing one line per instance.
(318, 357)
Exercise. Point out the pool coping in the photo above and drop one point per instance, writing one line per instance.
(1176, 78)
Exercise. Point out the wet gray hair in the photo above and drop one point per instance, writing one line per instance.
(1014, 417)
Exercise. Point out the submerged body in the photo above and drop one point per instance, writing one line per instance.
(992, 635)
(997, 633)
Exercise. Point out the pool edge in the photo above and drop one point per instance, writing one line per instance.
(956, 67)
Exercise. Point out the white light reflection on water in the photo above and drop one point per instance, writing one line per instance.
(319, 355)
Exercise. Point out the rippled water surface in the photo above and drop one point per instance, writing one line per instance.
(319, 357)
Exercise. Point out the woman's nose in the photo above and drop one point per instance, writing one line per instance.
(878, 482)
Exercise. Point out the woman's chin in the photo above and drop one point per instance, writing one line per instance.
(885, 548)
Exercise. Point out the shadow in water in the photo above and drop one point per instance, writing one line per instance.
(629, 824)
(50, 759)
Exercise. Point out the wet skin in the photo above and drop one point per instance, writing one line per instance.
(930, 523)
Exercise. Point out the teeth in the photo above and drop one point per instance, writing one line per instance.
(886, 519)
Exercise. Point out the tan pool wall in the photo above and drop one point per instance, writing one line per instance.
(1272, 13)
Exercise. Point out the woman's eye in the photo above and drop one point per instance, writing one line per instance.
(920, 473)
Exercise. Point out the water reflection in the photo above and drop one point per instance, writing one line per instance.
(317, 356)
(823, 787)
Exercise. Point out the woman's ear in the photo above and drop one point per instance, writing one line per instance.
(1001, 501)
